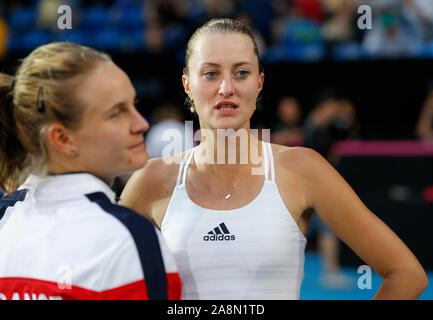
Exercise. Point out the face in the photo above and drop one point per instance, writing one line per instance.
(110, 140)
(223, 80)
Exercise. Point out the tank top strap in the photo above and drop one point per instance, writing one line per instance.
(271, 161)
(188, 158)
(265, 160)
(182, 165)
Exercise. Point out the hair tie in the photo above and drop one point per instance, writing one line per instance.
(11, 93)
(40, 100)
(12, 85)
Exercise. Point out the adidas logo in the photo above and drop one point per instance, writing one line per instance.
(220, 233)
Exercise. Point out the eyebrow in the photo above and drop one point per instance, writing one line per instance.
(119, 104)
(114, 107)
(217, 64)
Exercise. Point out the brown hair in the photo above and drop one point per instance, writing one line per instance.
(215, 26)
(42, 92)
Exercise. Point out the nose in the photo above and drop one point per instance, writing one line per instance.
(139, 124)
(226, 87)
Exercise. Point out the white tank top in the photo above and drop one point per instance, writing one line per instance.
(256, 252)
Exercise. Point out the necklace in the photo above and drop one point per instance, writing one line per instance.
(229, 194)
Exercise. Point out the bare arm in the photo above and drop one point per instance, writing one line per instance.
(135, 194)
(424, 129)
(149, 189)
(342, 211)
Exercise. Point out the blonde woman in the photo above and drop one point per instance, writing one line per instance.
(68, 117)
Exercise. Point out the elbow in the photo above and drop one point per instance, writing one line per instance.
(413, 281)
(420, 277)
(423, 281)
(419, 280)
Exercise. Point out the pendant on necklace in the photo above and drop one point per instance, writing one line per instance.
(228, 196)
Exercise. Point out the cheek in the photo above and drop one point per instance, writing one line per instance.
(201, 89)
(251, 93)
(103, 145)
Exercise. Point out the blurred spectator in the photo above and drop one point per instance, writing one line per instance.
(392, 35)
(4, 35)
(48, 15)
(340, 26)
(166, 117)
(419, 13)
(424, 126)
(311, 9)
(293, 28)
(333, 118)
(288, 130)
(285, 30)
(154, 40)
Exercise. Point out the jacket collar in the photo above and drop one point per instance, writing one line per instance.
(67, 186)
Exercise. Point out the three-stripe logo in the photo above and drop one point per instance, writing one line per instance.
(220, 233)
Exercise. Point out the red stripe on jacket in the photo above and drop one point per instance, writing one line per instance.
(36, 289)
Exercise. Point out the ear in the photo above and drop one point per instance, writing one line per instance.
(185, 82)
(261, 80)
(60, 139)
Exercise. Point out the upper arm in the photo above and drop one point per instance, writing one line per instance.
(149, 189)
(337, 205)
(137, 194)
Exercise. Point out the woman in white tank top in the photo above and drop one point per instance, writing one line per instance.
(236, 226)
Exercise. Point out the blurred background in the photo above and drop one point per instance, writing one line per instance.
(363, 98)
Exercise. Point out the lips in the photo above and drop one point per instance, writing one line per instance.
(226, 108)
(138, 145)
(226, 105)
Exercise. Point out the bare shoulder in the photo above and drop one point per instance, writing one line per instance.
(300, 160)
(296, 169)
(311, 169)
(155, 181)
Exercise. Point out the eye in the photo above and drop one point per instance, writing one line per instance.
(116, 115)
(210, 75)
(243, 73)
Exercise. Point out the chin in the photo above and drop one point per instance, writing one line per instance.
(134, 163)
(230, 125)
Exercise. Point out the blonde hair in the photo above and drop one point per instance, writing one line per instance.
(42, 92)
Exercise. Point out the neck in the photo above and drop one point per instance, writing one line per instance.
(61, 166)
(229, 148)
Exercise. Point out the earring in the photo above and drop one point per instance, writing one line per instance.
(191, 105)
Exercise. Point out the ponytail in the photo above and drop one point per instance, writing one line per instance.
(12, 152)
